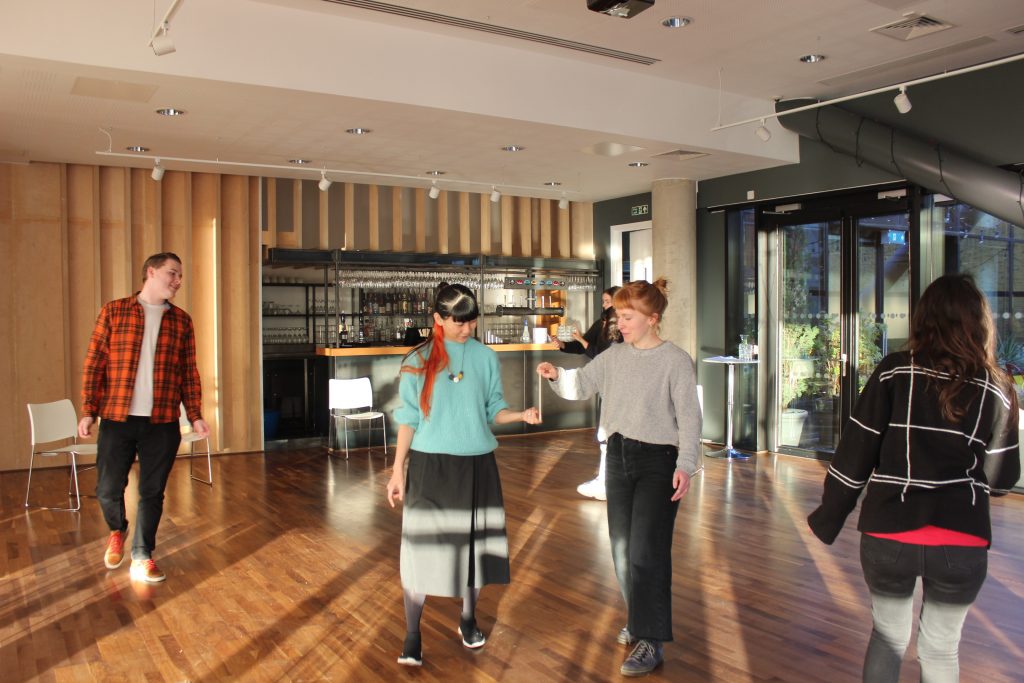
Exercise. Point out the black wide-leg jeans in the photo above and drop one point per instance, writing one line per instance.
(641, 517)
(157, 447)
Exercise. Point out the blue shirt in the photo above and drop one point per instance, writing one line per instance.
(460, 412)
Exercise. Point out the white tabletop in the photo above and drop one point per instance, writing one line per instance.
(729, 360)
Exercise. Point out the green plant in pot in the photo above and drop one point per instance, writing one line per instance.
(797, 367)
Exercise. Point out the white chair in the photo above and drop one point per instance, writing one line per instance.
(190, 437)
(52, 422)
(352, 394)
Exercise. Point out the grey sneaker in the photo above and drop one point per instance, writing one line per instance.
(625, 637)
(645, 658)
(472, 637)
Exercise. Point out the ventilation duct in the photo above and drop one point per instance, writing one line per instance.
(932, 166)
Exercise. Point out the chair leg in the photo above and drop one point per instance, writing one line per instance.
(345, 422)
(31, 462)
(74, 477)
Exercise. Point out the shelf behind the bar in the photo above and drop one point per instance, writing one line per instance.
(343, 351)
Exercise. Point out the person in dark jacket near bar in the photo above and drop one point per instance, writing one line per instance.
(602, 334)
(933, 435)
(139, 369)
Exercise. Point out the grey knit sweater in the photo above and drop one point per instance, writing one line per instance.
(646, 394)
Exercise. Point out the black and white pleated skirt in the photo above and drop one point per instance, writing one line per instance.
(453, 524)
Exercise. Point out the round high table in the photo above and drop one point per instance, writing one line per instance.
(729, 452)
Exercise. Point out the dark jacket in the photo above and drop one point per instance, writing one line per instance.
(602, 334)
(917, 468)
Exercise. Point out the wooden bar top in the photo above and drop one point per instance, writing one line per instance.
(402, 350)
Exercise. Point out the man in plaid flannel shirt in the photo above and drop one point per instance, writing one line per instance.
(140, 367)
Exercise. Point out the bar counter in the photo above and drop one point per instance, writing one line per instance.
(518, 375)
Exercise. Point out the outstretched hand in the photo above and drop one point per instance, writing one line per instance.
(547, 371)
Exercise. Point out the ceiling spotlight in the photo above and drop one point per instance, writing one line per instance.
(676, 22)
(161, 42)
(299, 162)
(158, 171)
(170, 111)
(324, 183)
(495, 195)
(637, 164)
(553, 183)
(435, 191)
(563, 203)
(763, 132)
(902, 101)
(812, 59)
(358, 131)
(436, 173)
(512, 148)
(137, 148)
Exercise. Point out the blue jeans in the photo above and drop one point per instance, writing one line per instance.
(157, 447)
(641, 517)
(951, 576)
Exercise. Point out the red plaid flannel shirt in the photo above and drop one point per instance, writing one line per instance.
(108, 378)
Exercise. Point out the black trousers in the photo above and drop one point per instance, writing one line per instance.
(156, 446)
(641, 517)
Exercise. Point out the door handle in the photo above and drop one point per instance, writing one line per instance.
(842, 363)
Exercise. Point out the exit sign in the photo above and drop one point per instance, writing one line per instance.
(641, 210)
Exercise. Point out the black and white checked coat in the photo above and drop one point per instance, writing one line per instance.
(917, 468)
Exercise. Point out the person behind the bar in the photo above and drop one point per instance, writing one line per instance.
(140, 367)
(602, 334)
(453, 520)
(649, 407)
(933, 435)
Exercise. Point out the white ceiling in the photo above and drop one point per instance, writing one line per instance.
(265, 81)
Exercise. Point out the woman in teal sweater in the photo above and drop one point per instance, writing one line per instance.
(453, 523)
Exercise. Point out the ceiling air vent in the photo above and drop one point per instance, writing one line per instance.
(680, 155)
(912, 26)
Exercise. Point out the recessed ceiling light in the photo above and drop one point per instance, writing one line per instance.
(812, 59)
(436, 172)
(137, 148)
(637, 164)
(171, 111)
(358, 131)
(513, 148)
(553, 183)
(299, 162)
(676, 22)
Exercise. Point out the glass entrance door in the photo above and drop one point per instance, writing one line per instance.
(843, 303)
(809, 335)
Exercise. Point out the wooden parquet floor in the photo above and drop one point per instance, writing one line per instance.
(287, 570)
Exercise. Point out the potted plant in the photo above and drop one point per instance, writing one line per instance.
(797, 372)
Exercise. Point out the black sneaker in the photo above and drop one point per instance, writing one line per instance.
(645, 658)
(472, 637)
(625, 637)
(412, 651)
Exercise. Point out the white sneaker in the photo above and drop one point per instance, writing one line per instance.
(592, 489)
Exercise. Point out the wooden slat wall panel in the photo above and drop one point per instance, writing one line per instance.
(545, 227)
(564, 234)
(507, 214)
(421, 220)
(238, 261)
(485, 223)
(202, 265)
(582, 229)
(441, 203)
(115, 233)
(524, 234)
(269, 235)
(373, 224)
(34, 313)
(74, 237)
(84, 296)
(324, 221)
(465, 241)
(396, 219)
(349, 221)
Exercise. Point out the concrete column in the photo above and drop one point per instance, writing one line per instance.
(674, 236)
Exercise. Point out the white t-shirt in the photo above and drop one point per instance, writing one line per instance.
(142, 394)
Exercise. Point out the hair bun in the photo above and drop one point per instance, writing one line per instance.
(661, 284)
